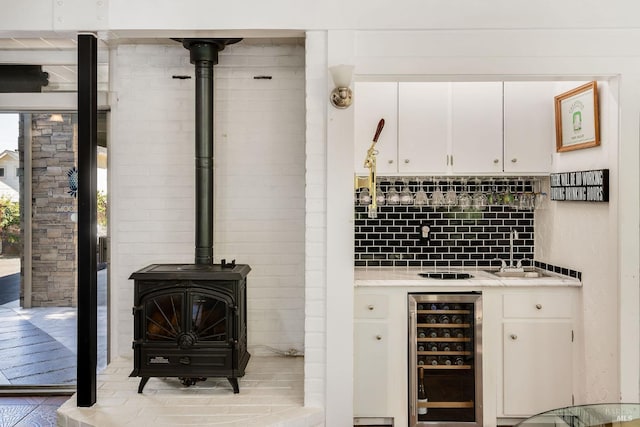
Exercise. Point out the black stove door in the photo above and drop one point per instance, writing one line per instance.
(163, 317)
(211, 318)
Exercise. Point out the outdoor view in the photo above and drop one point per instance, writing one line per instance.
(38, 280)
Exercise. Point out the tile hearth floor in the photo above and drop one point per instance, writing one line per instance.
(271, 394)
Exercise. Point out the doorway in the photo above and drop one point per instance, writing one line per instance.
(38, 307)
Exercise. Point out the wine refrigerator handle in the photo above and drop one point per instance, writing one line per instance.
(413, 394)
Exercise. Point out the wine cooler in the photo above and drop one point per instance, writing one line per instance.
(445, 366)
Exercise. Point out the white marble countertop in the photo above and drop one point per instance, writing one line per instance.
(408, 276)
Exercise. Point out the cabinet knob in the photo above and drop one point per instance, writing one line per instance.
(371, 307)
(406, 160)
(539, 306)
(496, 161)
(379, 337)
(390, 162)
(513, 337)
(514, 160)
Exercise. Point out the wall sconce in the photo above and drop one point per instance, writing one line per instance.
(341, 96)
(56, 118)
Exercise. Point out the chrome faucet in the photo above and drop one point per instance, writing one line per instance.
(513, 234)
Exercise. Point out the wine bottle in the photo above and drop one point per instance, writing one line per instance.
(445, 360)
(422, 393)
(446, 333)
(456, 319)
(432, 346)
(458, 333)
(445, 346)
(433, 306)
(443, 319)
(459, 361)
(432, 319)
(432, 333)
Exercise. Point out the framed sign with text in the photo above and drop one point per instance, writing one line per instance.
(584, 186)
(577, 124)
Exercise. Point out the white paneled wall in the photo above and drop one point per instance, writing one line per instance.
(316, 220)
(259, 160)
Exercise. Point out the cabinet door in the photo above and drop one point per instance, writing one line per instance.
(370, 371)
(374, 101)
(529, 126)
(477, 127)
(424, 127)
(537, 366)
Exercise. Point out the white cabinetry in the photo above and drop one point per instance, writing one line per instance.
(476, 126)
(529, 126)
(537, 368)
(424, 125)
(449, 128)
(457, 128)
(371, 356)
(380, 354)
(374, 101)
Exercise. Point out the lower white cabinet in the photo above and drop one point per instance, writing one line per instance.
(537, 353)
(528, 355)
(370, 369)
(371, 351)
(380, 354)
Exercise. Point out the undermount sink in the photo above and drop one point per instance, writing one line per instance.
(527, 274)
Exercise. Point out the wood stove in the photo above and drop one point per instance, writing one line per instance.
(190, 322)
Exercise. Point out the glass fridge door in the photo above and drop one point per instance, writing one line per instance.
(444, 359)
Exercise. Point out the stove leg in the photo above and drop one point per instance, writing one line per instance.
(234, 383)
(143, 382)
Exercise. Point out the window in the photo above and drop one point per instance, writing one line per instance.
(1, 172)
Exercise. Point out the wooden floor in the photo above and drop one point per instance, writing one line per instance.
(33, 411)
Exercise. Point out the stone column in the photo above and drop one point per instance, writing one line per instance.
(54, 148)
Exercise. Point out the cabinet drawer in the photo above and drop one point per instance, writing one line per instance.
(538, 305)
(371, 307)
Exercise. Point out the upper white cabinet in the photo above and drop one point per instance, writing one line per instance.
(529, 126)
(458, 128)
(374, 101)
(476, 126)
(424, 124)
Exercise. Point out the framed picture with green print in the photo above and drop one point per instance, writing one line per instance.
(577, 123)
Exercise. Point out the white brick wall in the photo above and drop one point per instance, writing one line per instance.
(259, 160)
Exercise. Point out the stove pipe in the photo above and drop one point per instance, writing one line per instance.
(204, 54)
